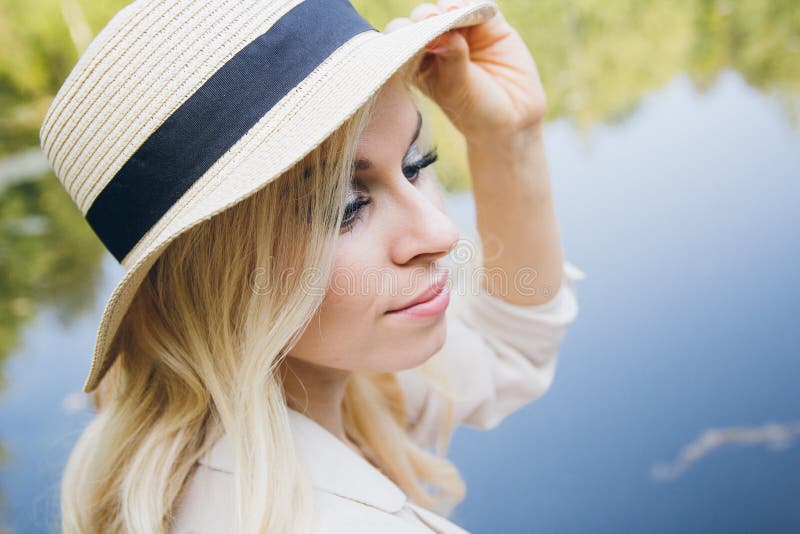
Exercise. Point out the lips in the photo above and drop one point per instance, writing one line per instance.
(429, 294)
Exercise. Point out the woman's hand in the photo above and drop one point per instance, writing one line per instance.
(483, 77)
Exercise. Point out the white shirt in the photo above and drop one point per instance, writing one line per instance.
(499, 357)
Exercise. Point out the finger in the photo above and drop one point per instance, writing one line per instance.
(423, 11)
(449, 5)
(397, 23)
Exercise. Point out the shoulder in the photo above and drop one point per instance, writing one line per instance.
(340, 515)
(207, 506)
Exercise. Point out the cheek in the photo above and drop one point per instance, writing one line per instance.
(363, 275)
(343, 332)
(348, 292)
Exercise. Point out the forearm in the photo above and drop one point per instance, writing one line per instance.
(516, 217)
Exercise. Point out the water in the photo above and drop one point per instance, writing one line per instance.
(684, 218)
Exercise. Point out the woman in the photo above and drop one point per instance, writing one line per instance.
(251, 374)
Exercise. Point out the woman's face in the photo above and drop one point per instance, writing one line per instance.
(390, 251)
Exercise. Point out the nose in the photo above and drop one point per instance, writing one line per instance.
(422, 231)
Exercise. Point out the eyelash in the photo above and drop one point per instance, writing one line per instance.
(353, 209)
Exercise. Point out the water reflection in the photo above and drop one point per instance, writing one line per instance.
(685, 219)
(597, 61)
(49, 257)
(622, 78)
(774, 436)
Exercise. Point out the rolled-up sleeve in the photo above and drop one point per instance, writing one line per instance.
(497, 357)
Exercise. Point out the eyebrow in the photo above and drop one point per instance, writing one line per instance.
(363, 164)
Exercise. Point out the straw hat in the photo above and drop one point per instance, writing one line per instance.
(179, 109)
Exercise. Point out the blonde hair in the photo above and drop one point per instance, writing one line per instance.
(171, 393)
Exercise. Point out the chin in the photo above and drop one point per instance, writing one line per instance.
(420, 349)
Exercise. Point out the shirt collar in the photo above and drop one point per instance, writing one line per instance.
(332, 465)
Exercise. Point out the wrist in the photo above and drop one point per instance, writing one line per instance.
(516, 159)
(509, 140)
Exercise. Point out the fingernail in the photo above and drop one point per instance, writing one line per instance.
(438, 50)
(436, 43)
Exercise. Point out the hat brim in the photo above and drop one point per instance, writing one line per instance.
(331, 94)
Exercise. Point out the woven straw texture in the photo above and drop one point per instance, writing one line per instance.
(151, 57)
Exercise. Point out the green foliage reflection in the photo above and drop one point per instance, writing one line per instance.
(597, 59)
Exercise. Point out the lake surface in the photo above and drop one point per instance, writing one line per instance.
(684, 217)
(685, 220)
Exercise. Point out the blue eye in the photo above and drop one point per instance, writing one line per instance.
(353, 209)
